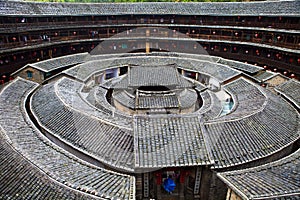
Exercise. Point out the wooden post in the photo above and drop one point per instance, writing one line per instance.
(158, 178)
(147, 47)
(182, 181)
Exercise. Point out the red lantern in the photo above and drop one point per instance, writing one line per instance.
(257, 52)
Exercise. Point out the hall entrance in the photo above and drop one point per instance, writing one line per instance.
(189, 182)
(176, 178)
(170, 176)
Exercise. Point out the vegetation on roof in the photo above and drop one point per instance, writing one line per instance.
(117, 1)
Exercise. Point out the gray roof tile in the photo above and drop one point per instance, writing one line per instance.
(60, 62)
(59, 108)
(279, 179)
(278, 8)
(157, 100)
(50, 159)
(221, 72)
(169, 141)
(247, 97)
(153, 76)
(291, 90)
(16, 182)
(253, 136)
(263, 75)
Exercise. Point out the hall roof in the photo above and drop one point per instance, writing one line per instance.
(164, 141)
(157, 100)
(153, 76)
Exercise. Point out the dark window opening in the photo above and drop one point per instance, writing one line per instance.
(29, 74)
(153, 88)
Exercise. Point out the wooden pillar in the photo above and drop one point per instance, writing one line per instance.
(181, 191)
(147, 33)
(158, 178)
(50, 53)
(147, 47)
(6, 39)
(242, 36)
(182, 181)
(296, 41)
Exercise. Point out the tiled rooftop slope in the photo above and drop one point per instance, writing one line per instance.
(255, 8)
(44, 156)
(276, 180)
